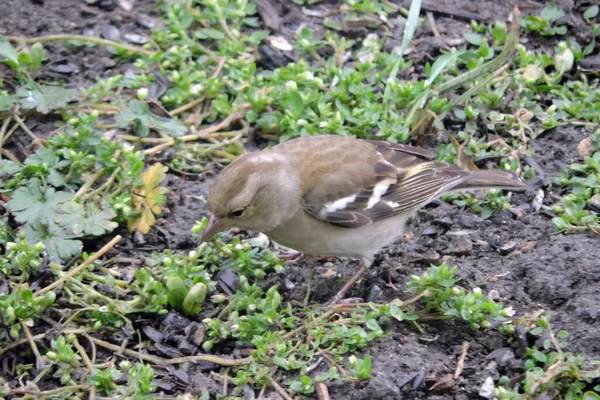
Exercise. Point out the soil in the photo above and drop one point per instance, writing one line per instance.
(522, 259)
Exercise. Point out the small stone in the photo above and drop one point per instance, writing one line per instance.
(430, 231)
(429, 257)
(494, 295)
(126, 5)
(374, 293)
(280, 43)
(153, 334)
(135, 38)
(487, 389)
(585, 148)
(502, 355)
(66, 68)
(507, 248)
(289, 285)
(468, 221)
(146, 21)
(89, 11)
(459, 247)
(445, 222)
(110, 32)
(181, 376)
(261, 241)
(107, 5)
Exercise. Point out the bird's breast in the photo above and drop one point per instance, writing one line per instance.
(309, 235)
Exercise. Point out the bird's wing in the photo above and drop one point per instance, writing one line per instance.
(386, 179)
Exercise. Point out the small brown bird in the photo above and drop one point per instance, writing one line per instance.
(336, 196)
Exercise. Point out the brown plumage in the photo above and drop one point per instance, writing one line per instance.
(332, 195)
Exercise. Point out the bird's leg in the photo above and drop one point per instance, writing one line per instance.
(364, 265)
(290, 256)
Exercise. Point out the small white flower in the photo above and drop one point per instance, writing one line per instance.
(291, 85)
(195, 89)
(142, 93)
(508, 312)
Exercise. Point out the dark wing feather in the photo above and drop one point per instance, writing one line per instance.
(366, 181)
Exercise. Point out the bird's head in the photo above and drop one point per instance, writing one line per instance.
(258, 191)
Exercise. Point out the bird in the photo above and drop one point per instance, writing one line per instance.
(337, 196)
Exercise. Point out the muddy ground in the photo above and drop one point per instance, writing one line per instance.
(522, 259)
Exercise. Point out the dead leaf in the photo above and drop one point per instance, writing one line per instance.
(148, 198)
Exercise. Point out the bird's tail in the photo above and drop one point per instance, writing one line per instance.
(491, 179)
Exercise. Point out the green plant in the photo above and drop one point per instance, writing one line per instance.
(21, 307)
(544, 24)
(551, 369)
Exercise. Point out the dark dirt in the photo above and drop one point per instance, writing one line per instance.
(522, 259)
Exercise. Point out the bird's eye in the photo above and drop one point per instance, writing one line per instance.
(237, 213)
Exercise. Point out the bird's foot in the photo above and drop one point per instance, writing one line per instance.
(290, 255)
(390, 283)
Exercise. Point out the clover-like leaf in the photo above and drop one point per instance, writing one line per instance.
(8, 168)
(7, 101)
(34, 204)
(80, 220)
(59, 244)
(148, 198)
(44, 98)
(140, 113)
(46, 163)
(8, 54)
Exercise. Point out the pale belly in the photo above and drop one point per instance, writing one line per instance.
(311, 236)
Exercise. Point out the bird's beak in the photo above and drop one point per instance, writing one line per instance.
(213, 227)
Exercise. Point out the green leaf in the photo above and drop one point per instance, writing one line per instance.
(591, 396)
(44, 98)
(591, 12)
(539, 356)
(551, 12)
(59, 245)
(46, 162)
(80, 220)
(208, 33)
(37, 56)
(9, 53)
(176, 291)
(8, 168)
(411, 25)
(33, 204)
(295, 104)
(333, 24)
(473, 38)
(258, 37)
(192, 304)
(441, 63)
(139, 112)
(7, 102)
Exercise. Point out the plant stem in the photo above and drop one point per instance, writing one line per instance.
(84, 264)
(187, 106)
(3, 129)
(178, 360)
(10, 132)
(89, 183)
(40, 337)
(39, 361)
(81, 38)
(512, 39)
(281, 391)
